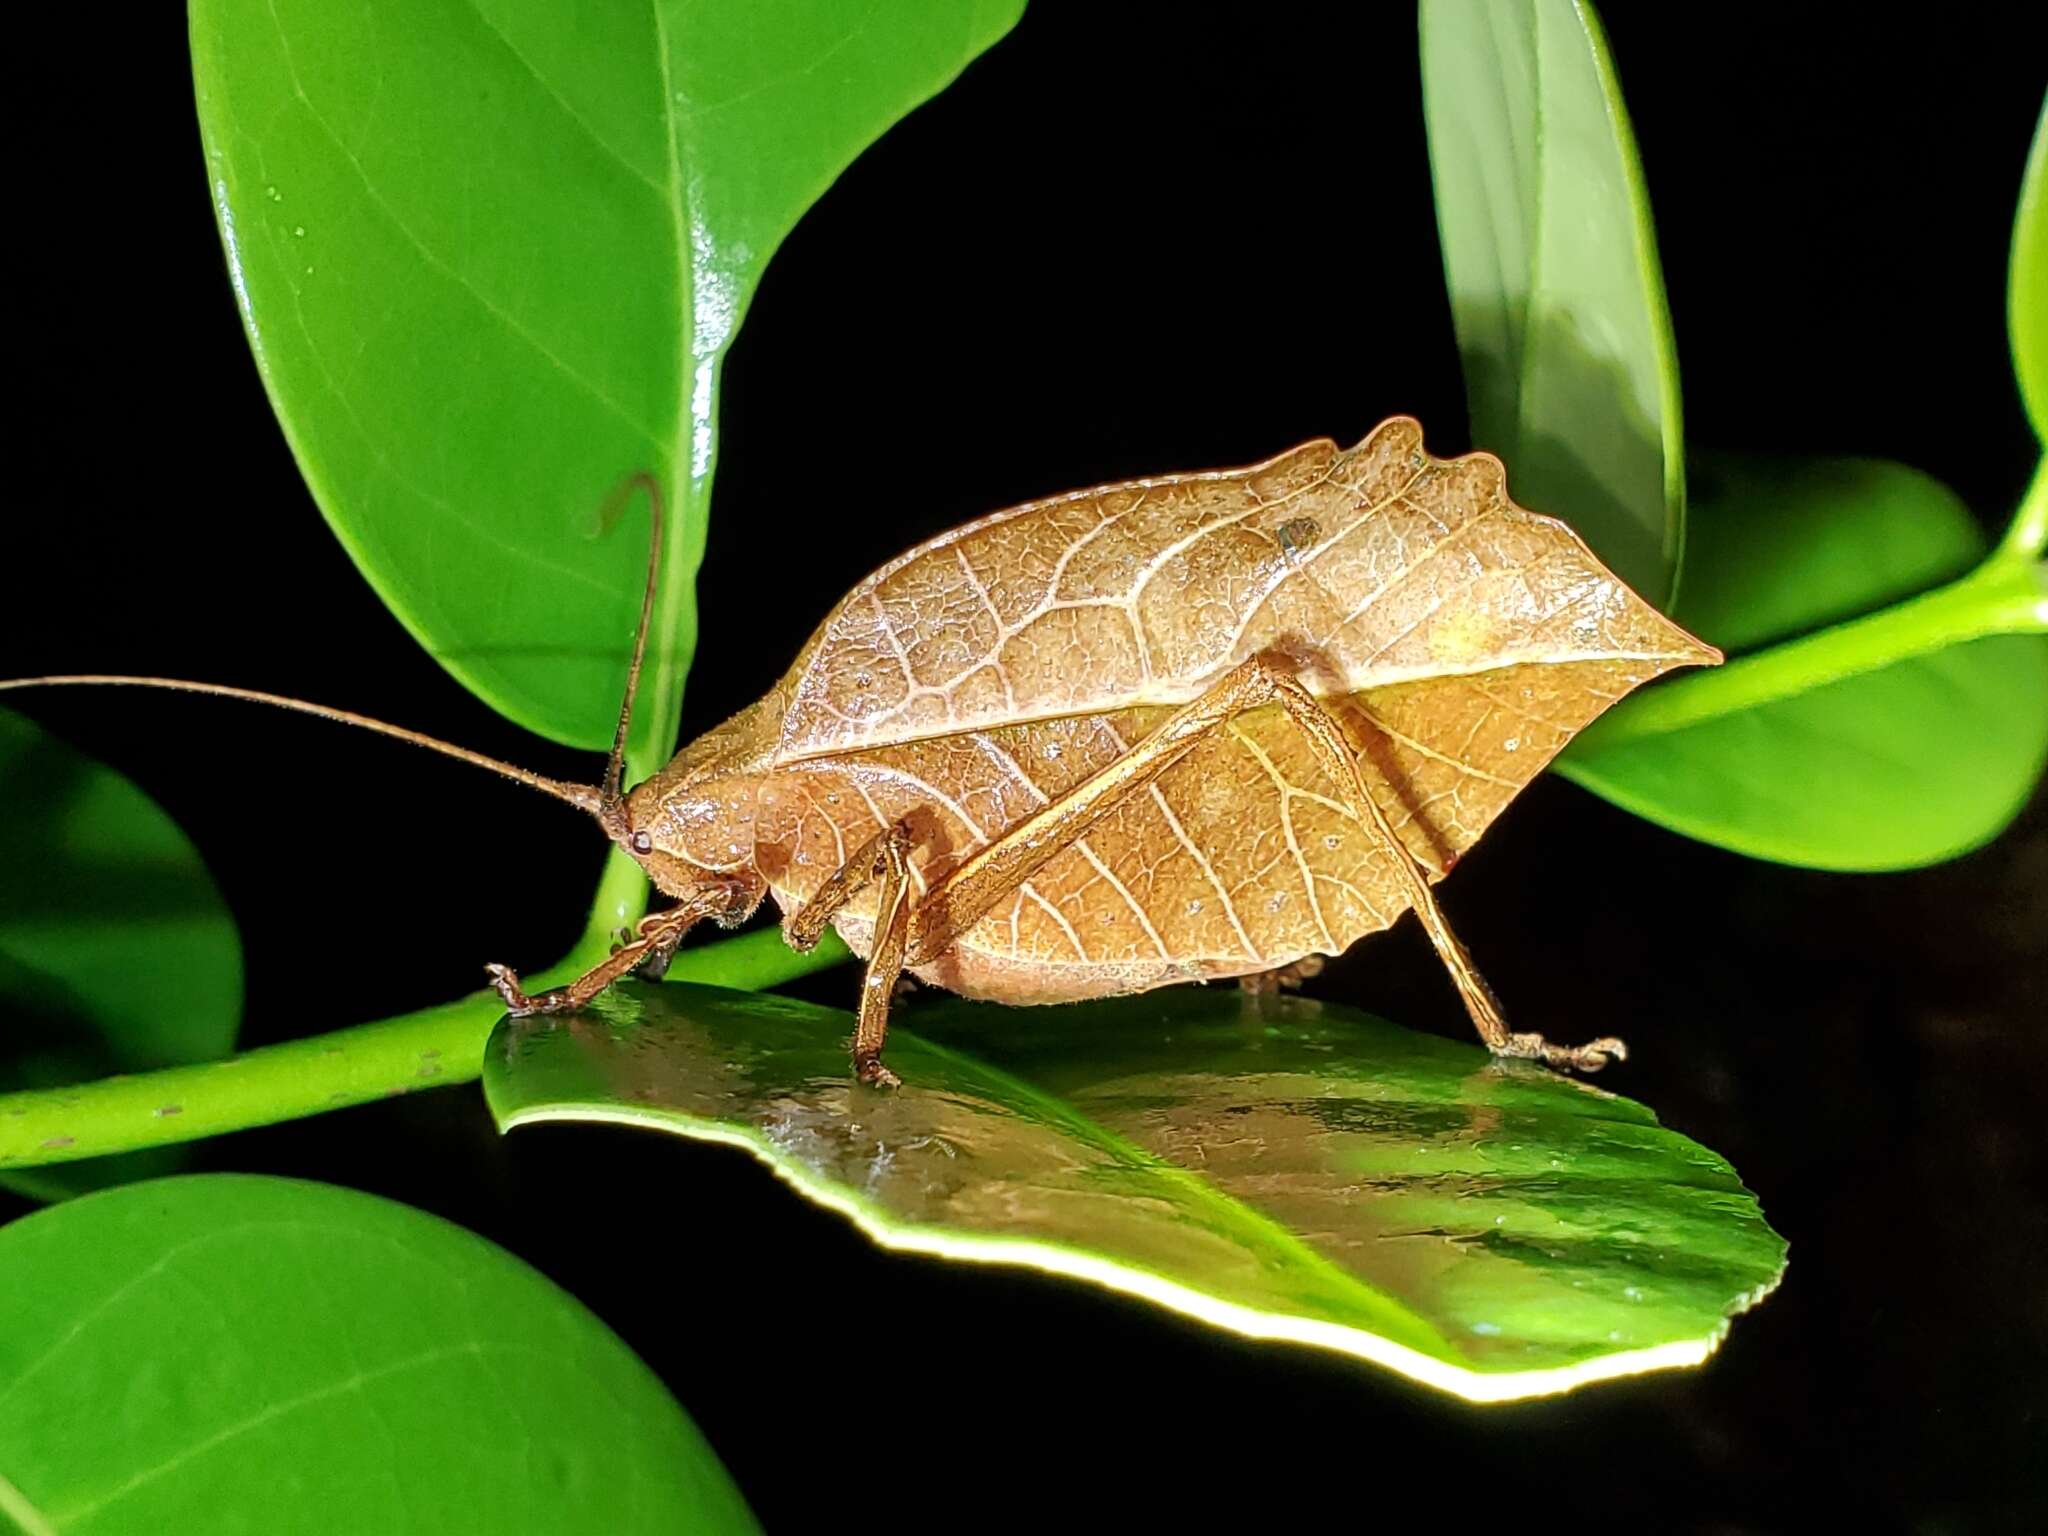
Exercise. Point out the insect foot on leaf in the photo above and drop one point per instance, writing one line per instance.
(506, 982)
(1590, 1057)
(869, 1069)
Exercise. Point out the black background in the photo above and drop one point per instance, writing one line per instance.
(1131, 241)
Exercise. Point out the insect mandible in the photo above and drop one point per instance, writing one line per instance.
(1175, 729)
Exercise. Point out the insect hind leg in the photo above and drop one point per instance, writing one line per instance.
(972, 887)
(1282, 978)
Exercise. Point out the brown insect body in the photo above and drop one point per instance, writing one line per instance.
(986, 674)
(1176, 729)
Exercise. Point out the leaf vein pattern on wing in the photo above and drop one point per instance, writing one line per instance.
(1208, 870)
(1454, 763)
(1126, 603)
(1060, 918)
(1137, 911)
(1287, 793)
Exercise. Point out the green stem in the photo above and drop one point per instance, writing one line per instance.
(432, 1048)
(2004, 595)
(620, 902)
(2028, 535)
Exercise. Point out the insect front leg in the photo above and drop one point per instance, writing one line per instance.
(883, 860)
(653, 943)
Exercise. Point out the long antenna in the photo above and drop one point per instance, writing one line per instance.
(606, 803)
(615, 766)
(582, 796)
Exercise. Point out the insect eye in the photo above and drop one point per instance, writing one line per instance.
(642, 843)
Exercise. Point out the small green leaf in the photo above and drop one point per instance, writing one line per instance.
(1786, 545)
(1555, 285)
(1899, 766)
(2027, 290)
(490, 256)
(231, 1354)
(117, 953)
(1288, 1170)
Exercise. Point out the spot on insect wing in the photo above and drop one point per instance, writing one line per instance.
(1297, 536)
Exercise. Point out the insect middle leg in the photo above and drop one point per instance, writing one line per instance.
(974, 886)
(884, 859)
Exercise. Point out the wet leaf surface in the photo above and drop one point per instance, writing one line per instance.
(1285, 1168)
(235, 1354)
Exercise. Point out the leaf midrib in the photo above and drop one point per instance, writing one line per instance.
(675, 601)
(17, 1506)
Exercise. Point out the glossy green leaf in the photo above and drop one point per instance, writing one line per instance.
(231, 1354)
(1899, 766)
(117, 953)
(2027, 290)
(1556, 290)
(1786, 545)
(490, 255)
(1285, 1169)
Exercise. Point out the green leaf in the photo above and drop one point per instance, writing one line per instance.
(1786, 545)
(1288, 1170)
(1890, 768)
(223, 1354)
(490, 255)
(117, 953)
(1555, 286)
(2027, 290)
